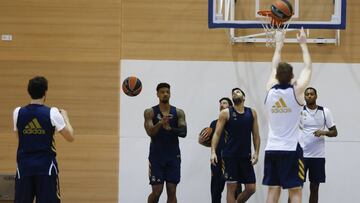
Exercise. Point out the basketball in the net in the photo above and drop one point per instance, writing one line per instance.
(131, 86)
(209, 131)
(282, 10)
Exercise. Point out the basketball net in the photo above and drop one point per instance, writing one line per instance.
(271, 25)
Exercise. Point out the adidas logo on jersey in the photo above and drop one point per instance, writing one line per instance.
(159, 116)
(280, 107)
(33, 128)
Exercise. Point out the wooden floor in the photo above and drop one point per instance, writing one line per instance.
(89, 92)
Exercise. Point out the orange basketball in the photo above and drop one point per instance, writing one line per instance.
(132, 86)
(282, 10)
(209, 131)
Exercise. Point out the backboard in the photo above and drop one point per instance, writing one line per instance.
(309, 14)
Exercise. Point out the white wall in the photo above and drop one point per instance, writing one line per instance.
(196, 88)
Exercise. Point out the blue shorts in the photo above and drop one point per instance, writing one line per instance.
(316, 168)
(284, 168)
(239, 169)
(45, 188)
(164, 171)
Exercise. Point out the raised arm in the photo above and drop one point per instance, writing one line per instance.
(305, 75)
(223, 118)
(181, 130)
(279, 41)
(150, 128)
(256, 138)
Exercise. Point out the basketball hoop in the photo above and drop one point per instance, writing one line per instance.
(271, 25)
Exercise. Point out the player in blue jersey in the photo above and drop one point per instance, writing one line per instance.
(217, 180)
(283, 166)
(164, 124)
(239, 123)
(35, 125)
(316, 123)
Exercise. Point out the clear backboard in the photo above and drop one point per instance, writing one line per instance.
(309, 14)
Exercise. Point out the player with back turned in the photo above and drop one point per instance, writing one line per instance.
(35, 125)
(283, 166)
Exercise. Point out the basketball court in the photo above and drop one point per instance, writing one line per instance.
(203, 49)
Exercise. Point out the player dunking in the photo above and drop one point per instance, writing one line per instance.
(239, 122)
(283, 155)
(164, 124)
(35, 124)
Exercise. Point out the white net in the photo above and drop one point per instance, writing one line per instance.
(271, 26)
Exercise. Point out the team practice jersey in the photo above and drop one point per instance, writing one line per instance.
(311, 121)
(283, 112)
(238, 129)
(164, 145)
(35, 125)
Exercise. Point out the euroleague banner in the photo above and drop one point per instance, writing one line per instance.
(196, 87)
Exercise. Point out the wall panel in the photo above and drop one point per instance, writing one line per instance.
(89, 92)
(61, 30)
(178, 30)
(76, 45)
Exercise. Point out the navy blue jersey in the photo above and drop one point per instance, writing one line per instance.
(164, 145)
(36, 151)
(221, 140)
(238, 138)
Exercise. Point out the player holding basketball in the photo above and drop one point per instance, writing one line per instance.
(164, 124)
(239, 122)
(314, 122)
(283, 155)
(217, 180)
(35, 124)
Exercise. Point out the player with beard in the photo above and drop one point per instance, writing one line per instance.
(164, 124)
(239, 123)
(217, 180)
